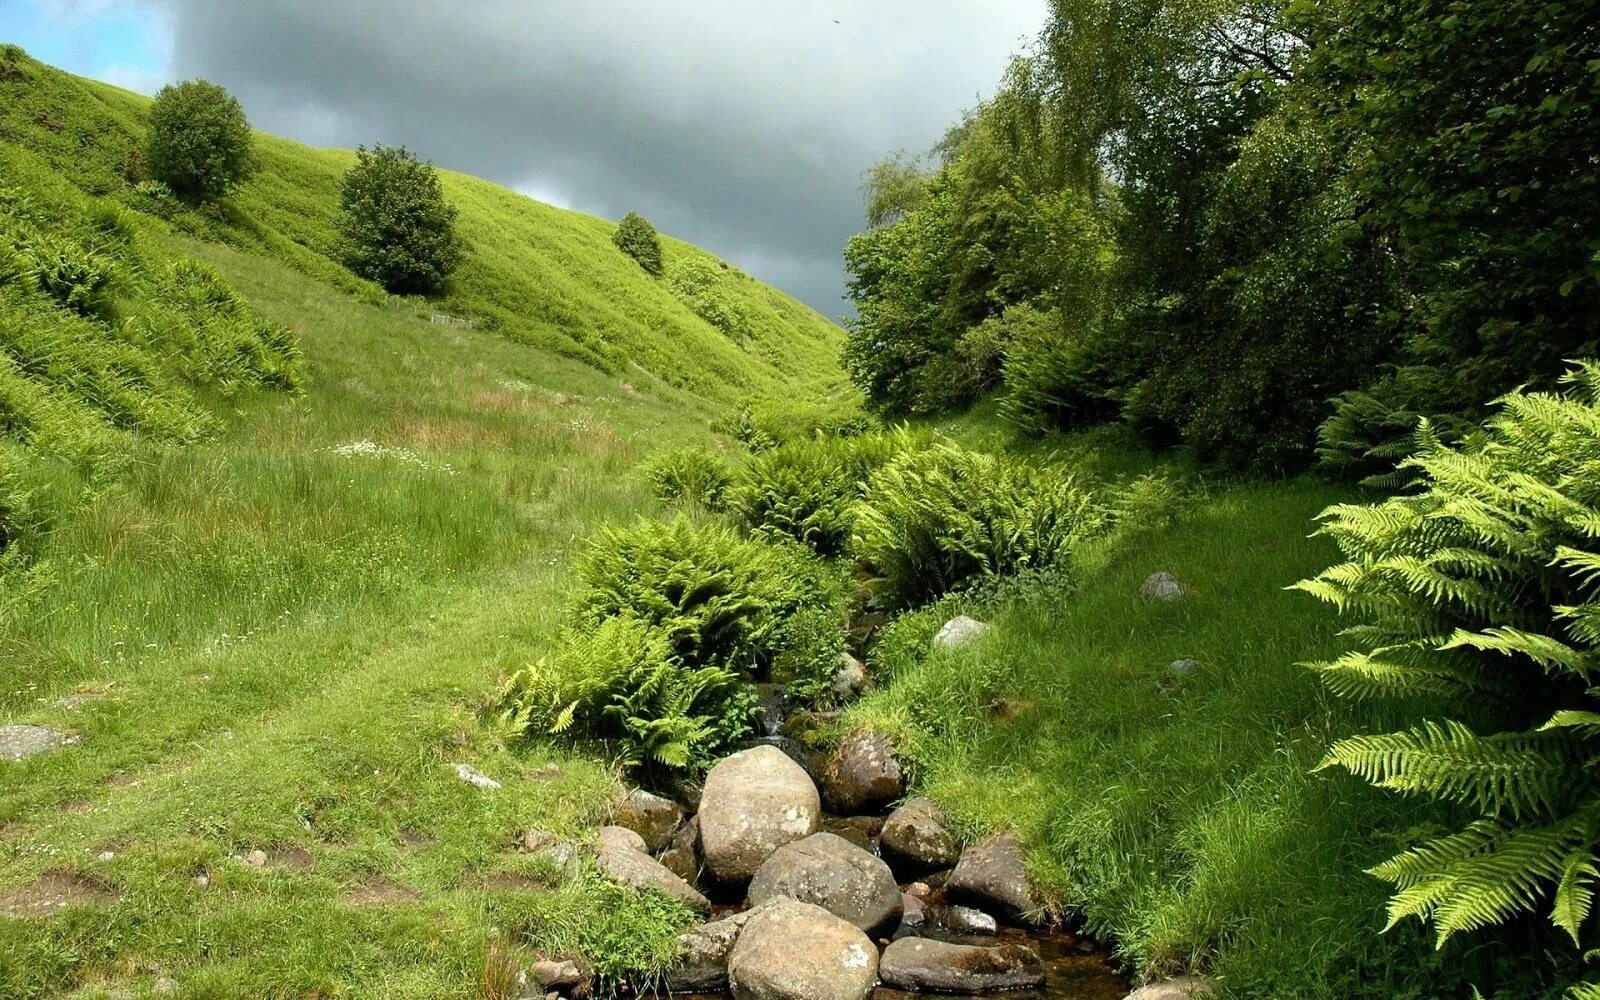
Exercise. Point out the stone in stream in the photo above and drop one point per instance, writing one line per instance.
(960, 631)
(836, 875)
(1181, 988)
(556, 975)
(991, 877)
(620, 838)
(682, 856)
(701, 965)
(642, 872)
(796, 951)
(863, 774)
(966, 920)
(17, 742)
(915, 839)
(850, 679)
(1162, 586)
(754, 802)
(650, 816)
(926, 966)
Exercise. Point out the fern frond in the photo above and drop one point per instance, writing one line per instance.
(1550, 654)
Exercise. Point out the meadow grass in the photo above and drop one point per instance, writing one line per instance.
(1177, 813)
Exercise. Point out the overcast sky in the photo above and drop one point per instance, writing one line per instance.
(740, 125)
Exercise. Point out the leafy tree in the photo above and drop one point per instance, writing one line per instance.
(397, 228)
(199, 142)
(637, 238)
(1481, 588)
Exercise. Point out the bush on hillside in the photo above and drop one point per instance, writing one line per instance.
(937, 519)
(397, 228)
(689, 475)
(1055, 378)
(720, 599)
(199, 141)
(637, 238)
(77, 276)
(621, 682)
(807, 490)
(700, 285)
(766, 423)
(1481, 587)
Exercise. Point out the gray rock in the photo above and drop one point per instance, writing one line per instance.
(1181, 988)
(645, 873)
(1162, 586)
(966, 920)
(701, 965)
(19, 741)
(959, 631)
(925, 966)
(991, 877)
(1183, 668)
(620, 838)
(913, 911)
(475, 777)
(915, 839)
(754, 802)
(836, 875)
(863, 774)
(650, 816)
(850, 679)
(556, 975)
(564, 858)
(795, 951)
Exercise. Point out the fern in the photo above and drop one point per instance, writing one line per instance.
(1481, 585)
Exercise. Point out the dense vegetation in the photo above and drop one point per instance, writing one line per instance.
(199, 142)
(1230, 223)
(398, 229)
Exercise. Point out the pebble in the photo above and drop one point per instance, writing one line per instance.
(475, 777)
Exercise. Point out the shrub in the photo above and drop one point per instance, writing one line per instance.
(1481, 588)
(766, 423)
(621, 682)
(1055, 378)
(79, 277)
(807, 490)
(397, 228)
(637, 238)
(700, 285)
(808, 663)
(718, 598)
(694, 475)
(936, 519)
(199, 141)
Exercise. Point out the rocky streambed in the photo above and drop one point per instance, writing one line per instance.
(817, 880)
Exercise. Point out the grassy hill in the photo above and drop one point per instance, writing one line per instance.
(273, 537)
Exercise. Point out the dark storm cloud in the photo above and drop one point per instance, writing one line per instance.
(744, 127)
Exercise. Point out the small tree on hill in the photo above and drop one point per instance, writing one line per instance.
(199, 141)
(397, 228)
(637, 238)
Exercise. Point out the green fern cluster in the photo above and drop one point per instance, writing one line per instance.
(807, 490)
(689, 475)
(1481, 586)
(669, 621)
(935, 519)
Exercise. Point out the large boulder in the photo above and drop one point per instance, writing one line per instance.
(646, 874)
(926, 966)
(650, 816)
(1182, 988)
(836, 875)
(701, 965)
(916, 841)
(991, 877)
(754, 802)
(863, 774)
(791, 950)
(959, 631)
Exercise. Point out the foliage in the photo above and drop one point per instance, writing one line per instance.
(807, 490)
(77, 276)
(1480, 587)
(637, 238)
(718, 598)
(937, 519)
(767, 423)
(813, 646)
(621, 681)
(199, 142)
(700, 285)
(693, 475)
(397, 228)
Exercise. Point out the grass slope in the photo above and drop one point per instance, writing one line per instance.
(273, 622)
